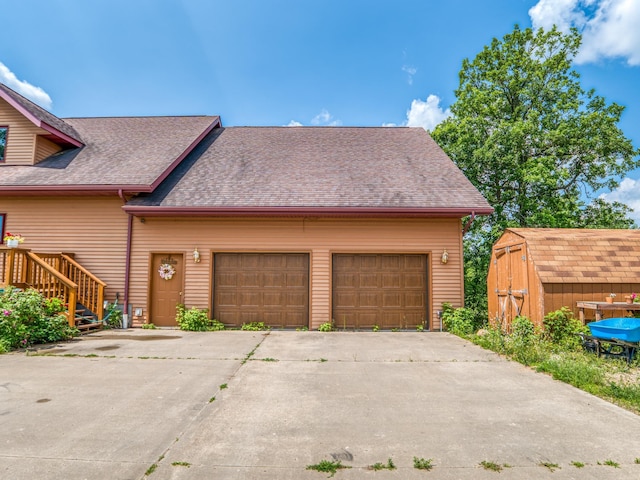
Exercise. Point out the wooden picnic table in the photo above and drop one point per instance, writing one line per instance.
(600, 307)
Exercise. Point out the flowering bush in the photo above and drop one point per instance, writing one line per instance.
(13, 236)
(27, 318)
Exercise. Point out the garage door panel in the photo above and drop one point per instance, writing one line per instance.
(390, 280)
(391, 300)
(368, 280)
(388, 290)
(296, 280)
(261, 287)
(272, 279)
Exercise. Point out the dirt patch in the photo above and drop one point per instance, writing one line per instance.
(108, 347)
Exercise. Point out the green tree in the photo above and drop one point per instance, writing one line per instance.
(534, 142)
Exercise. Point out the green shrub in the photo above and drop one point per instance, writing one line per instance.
(196, 320)
(325, 327)
(459, 321)
(113, 316)
(27, 318)
(562, 328)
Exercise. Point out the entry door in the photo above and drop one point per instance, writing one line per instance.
(166, 287)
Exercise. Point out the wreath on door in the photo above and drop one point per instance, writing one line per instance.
(166, 271)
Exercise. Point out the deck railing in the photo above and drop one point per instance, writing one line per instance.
(53, 275)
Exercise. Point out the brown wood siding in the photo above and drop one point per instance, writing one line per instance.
(558, 295)
(45, 148)
(379, 290)
(20, 149)
(261, 287)
(94, 229)
(319, 237)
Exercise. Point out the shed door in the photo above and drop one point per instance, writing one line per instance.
(512, 282)
(387, 290)
(261, 287)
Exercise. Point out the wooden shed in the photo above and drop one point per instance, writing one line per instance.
(534, 271)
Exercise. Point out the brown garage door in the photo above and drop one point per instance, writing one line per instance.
(386, 290)
(261, 287)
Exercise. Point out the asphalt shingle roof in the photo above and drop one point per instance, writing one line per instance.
(385, 167)
(41, 114)
(567, 255)
(118, 151)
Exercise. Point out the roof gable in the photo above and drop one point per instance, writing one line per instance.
(583, 255)
(60, 131)
(319, 168)
(132, 154)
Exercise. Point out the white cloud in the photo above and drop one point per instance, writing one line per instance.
(628, 192)
(426, 114)
(326, 119)
(609, 27)
(410, 71)
(293, 123)
(35, 94)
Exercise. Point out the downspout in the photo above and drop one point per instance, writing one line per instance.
(127, 268)
(468, 224)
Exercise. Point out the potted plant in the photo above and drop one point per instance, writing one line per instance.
(13, 239)
(610, 297)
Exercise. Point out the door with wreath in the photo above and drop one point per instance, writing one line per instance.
(166, 285)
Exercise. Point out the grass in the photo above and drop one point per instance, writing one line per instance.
(610, 463)
(327, 466)
(607, 378)
(577, 464)
(181, 464)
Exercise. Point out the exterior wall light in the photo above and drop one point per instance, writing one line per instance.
(445, 257)
(196, 255)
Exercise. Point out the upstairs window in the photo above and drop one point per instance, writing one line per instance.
(3, 141)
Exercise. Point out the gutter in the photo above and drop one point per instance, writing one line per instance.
(155, 211)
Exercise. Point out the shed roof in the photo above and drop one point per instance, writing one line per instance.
(567, 255)
(338, 168)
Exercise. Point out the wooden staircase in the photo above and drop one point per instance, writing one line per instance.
(56, 276)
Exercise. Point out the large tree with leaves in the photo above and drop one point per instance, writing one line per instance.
(534, 142)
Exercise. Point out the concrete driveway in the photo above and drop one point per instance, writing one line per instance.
(257, 405)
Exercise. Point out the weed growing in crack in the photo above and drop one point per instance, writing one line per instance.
(181, 464)
(577, 464)
(381, 466)
(493, 466)
(327, 466)
(551, 466)
(422, 463)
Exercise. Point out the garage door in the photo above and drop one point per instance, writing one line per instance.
(261, 287)
(386, 290)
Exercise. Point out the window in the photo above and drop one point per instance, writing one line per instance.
(2, 217)
(3, 141)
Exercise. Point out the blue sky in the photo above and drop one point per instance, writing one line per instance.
(290, 62)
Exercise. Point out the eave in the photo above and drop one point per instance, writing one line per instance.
(378, 212)
(60, 190)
